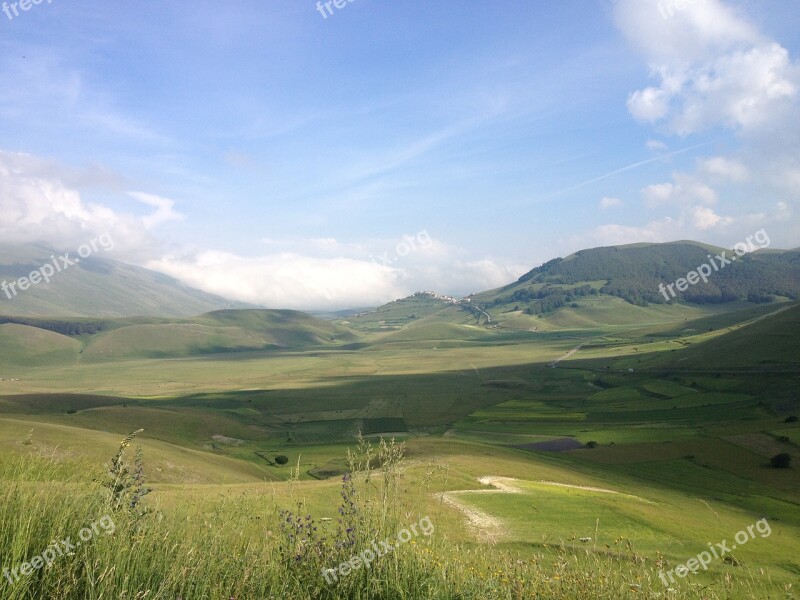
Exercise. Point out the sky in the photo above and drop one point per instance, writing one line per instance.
(290, 155)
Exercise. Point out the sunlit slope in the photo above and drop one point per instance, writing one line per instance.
(286, 328)
(171, 340)
(79, 449)
(771, 342)
(30, 346)
(600, 311)
(32, 341)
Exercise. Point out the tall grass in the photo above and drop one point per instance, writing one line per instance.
(254, 549)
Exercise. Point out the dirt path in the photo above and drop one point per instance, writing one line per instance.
(486, 527)
(554, 363)
(491, 529)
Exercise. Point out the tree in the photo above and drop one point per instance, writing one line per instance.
(281, 459)
(781, 461)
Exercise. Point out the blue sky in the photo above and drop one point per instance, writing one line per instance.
(265, 153)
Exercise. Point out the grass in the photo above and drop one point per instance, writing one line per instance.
(682, 438)
(264, 546)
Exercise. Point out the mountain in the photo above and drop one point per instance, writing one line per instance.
(608, 286)
(94, 286)
(637, 272)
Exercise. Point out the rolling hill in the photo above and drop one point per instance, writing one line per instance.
(31, 342)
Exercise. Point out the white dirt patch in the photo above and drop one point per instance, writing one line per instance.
(503, 484)
(492, 529)
(485, 526)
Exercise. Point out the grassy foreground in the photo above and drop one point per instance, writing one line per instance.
(101, 541)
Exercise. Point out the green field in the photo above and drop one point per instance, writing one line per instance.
(685, 407)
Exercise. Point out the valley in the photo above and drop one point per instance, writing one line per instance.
(640, 436)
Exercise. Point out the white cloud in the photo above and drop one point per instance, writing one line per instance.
(614, 234)
(164, 209)
(286, 280)
(745, 91)
(649, 105)
(785, 177)
(724, 169)
(38, 205)
(608, 202)
(656, 146)
(290, 280)
(658, 193)
(713, 67)
(683, 190)
(703, 218)
(697, 32)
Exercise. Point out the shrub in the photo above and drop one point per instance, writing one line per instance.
(281, 459)
(591, 444)
(781, 461)
(125, 482)
(790, 419)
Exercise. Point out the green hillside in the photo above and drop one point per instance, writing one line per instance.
(636, 271)
(770, 342)
(25, 345)
(400, 313)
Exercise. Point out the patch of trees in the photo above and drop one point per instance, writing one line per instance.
(546, 299)
(781, 461)
(62, 327)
